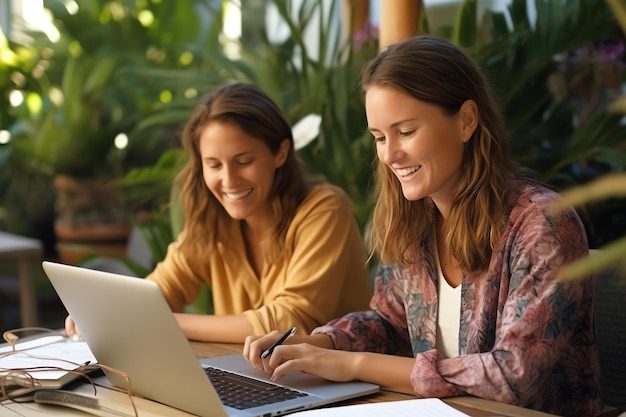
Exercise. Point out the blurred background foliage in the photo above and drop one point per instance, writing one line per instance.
(150, 61)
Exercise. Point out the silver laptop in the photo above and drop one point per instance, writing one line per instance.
(129, 326)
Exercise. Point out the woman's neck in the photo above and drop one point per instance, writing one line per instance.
(447, 261)
(255, 241)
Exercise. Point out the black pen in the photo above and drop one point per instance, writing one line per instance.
(280, 341)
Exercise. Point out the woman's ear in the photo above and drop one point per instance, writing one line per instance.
(283, 151)
(469, 119)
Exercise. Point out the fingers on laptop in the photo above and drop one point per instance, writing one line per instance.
(255, 345)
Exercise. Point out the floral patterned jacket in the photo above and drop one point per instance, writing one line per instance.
(525, 339)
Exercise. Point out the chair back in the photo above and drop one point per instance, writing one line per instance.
(611, 336)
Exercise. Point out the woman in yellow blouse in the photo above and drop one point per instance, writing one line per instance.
(276, 248)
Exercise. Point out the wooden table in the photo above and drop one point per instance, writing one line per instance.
(120, 402)
(25, 251)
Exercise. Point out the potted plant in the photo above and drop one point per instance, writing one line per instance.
(74, 126)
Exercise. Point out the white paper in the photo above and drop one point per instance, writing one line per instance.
(48, 351)
(423, 407)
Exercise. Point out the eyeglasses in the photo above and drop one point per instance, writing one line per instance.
(17, 384)
(32, 337)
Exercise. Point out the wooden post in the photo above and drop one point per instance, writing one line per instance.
(354, 15)
(355, 12)
(399, 20)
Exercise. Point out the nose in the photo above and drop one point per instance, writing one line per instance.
(229, 176)
(390, 151)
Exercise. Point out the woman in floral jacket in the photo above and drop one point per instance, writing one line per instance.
(466, 297)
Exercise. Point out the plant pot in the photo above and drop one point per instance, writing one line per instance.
(72, 253)
(91, 219)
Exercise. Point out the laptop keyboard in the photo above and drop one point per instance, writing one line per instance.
(240, 392)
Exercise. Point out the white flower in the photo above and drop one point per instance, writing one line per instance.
(307, 129)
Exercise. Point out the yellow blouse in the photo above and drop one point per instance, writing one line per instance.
(325, 277)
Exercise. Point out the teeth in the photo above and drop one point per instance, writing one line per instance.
(406, 171)
(238, 196)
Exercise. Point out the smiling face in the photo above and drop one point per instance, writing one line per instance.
(239, 170)
(420, 143)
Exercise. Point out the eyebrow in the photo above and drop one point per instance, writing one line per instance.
(393, 125)
(239, 155)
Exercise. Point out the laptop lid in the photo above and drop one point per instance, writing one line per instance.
(129, 326)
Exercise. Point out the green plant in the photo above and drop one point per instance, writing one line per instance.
(606, 187)
(80, 92)
(160, 220)
(87, 97)
(610, 255)
(76, 136)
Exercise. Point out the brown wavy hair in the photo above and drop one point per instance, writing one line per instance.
(435, 71)
(248, 107)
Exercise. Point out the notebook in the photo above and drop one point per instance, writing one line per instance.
(128, 325)
(55, 355)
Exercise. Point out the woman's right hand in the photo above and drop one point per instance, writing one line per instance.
(255, 345)
(309, 354)
(70, 328)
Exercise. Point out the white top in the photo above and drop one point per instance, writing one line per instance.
(448, 313)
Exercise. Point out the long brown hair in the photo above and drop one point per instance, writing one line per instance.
(248, 107)
(435, 71)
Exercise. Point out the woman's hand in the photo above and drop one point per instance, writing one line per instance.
(70, 327)
(255, 345)
(334, 365)
(316, 355)
(310, 354)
